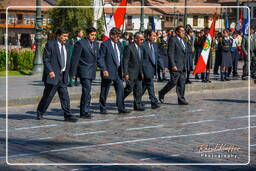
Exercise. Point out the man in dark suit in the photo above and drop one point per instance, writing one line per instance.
(151, 61)
(83, 65)
(79, 36)
(133, 56)
(178, 60)
(110, 63)
(55, 75)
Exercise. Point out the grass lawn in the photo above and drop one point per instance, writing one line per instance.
(15, 73)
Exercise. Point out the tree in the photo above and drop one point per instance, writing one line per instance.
(71, 19)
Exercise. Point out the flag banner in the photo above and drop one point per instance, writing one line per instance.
(202, 60)
(117, 20)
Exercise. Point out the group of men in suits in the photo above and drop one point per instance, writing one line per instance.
(136, 65)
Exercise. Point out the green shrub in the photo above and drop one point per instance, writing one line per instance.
(18, 60)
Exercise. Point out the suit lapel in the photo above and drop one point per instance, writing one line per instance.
(112, 52)
(149, 51)
(135, 51)
(87, 43)
(180, 44)
(58, 51)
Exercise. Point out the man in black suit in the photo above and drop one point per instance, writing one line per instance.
(133, 56)
(83, 65)
(110, 63)
(178, 59)
(55, 75)
(151, 61)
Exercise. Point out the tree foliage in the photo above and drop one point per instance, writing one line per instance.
(71, 19)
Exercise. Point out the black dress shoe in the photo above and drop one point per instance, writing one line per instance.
(155, 106)
(226, 79)
(188, 82)
(139, 109)
(104, 112)
(160, 97)
(183, 103)
(124, 111)
(39, 116)
(70, 119)
(86, 116)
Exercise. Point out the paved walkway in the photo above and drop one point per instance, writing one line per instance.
(29, 89)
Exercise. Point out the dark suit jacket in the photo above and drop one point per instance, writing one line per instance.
(149, 68)
(132, 62)
(84, 59)
(107, 60)
(176, 54)
(51, 60)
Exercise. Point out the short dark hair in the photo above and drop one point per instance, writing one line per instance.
(148, 32)
(178, 28)
(61, 31)
(114, 31)
(137, 34)
(225, 30)
(90, 30)
(78, 31)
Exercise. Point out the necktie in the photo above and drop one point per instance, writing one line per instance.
(183, 45)
(138, 49)
(153, 54)
(62, 57)
(116, 54)
(91, 43)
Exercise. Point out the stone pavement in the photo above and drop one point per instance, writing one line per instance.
(169, 135)
(24, 90)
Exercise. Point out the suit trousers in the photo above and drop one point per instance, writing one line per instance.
(178, 79)
(86, 95)
(135, 86)
(148, 84)
(119, 89)
(48, 94)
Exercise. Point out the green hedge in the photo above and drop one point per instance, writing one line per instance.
(18, 60)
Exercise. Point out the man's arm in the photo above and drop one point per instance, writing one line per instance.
(47, 59)
(126, 58)
(171, 49)
(75, 59)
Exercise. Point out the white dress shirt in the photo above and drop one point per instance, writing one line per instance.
(65, 55)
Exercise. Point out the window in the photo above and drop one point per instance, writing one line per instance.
(19, 18)
(2, 18)
(33, 19)
(26, 19)
(129, 20)
(167, 19)
(44, 20)
(195, 21)
(11, 19)
(206, 21)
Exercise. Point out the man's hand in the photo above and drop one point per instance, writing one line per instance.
(126, 77)
(174, 68)
(142, 76)
(74, 77)
(52, 75)
(105, 74)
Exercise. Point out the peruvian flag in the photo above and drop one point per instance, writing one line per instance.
(117, 20)
(202, 61)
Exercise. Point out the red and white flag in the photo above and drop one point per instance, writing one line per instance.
(202, 60)
(117, 20)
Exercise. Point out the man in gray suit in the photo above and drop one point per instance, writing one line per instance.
(245, 46)
(83, 64)
(133, 57)
(178, 61)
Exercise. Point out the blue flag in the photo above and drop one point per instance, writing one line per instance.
(153, 24)
(227, 23)
(245, 26)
